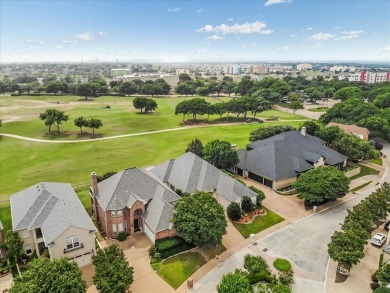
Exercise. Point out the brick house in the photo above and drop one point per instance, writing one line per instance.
(136, 200)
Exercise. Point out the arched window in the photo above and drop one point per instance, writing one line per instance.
(137, 212)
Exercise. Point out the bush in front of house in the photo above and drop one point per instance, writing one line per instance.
(247, 204)
(260, 195)
(234, 211)
(167, 247)
(122, 235)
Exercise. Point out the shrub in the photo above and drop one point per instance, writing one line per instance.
(382, 290)
(381, 260)
(179, 192)
(247, 204)
(374, 277)
(169, 243)
(234, 211)
(152, 250)
(282, 265)
(374, 286)
(383, 274)
(263, 276)
(286, 278)
(122, 235)
(260, 195)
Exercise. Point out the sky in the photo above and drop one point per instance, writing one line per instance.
(195, 31)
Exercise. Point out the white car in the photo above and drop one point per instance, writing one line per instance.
(379, 239)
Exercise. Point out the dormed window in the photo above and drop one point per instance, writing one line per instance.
(118, 213)
(72, 242)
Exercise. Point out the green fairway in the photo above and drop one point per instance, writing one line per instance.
(120, 118)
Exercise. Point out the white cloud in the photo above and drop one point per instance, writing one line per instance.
(309, 28)
(253, 44)
(215, 37)
(245, 28)
(173, 9)
(230, 19)
(201, 51)
(322, 36)
(87, 36)
(243, 45)
(272, 2)
(199, 10)
(292, 35)
(59, 47)
(67, 42)
(102, 34)
(385, 49)
(349, 35)
(285, 48)
(37, 43)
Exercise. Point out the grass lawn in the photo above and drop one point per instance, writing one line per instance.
(282, 264)
(377, 161)
(259, 223)
(121, 118)
(360, 186)
(365, 171)
(318, 109)
(179, 268)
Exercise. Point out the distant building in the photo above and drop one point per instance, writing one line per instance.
(304, 67)
(232, 70)
(340, 68)
(183, 71)
(370, 77)
(358, 131)
(120, 71)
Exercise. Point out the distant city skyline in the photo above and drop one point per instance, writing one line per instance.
(195, 31)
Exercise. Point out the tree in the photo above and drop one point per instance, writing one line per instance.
(244, 85)
(94, 124)
(199, 219)
(234, 211)
(235, 282)
(295, 105)
(14, 245)
(53, 117)
(322, 184)
(185, 88)
(183, 77)
(196, 147)
(151, 105)
(55, 87)
(140, 103)
(220, 154)
(81, 122)
(84, 90)
(266, 132)
(383, 275)
(255, 264)
(311, 127)
(247, 204)
(128, 88)
(350, 92)
(346, 247)
(113, 273)
(45, 276)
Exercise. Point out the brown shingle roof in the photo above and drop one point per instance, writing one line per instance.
(350, 128)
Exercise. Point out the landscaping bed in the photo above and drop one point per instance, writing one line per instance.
(364, 170)
(259, 223)
(247, 218)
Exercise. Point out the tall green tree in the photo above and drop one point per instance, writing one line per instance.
(235, 282)
(53, 117)
(351, 92)
(14, 246)
(46, 276)
(151, 105)
(84, 90)
(255, 264)
(199, 219)
(113, 274)
(311, 127)
(220, 154)
(81, 122)
(128, 88)
(94, 124)
(321, 184)
(196, 147)
(140, 103)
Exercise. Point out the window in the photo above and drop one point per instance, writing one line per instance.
(28, 249)
(113, 213)
(120, 227)
(114, 229)
(72, 242)
(116, 213)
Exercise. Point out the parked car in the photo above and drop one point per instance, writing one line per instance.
(387, 225)
(379, 239)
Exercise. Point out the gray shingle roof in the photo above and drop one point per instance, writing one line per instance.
(51, 206)
(284, 155)
(126, 187)
(191, 173)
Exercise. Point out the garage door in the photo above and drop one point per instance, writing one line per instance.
(83, 259)
(149, 233)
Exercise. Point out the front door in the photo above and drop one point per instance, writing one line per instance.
(136, 225)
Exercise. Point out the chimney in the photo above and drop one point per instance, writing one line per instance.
(94, 183)
(303, 130)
